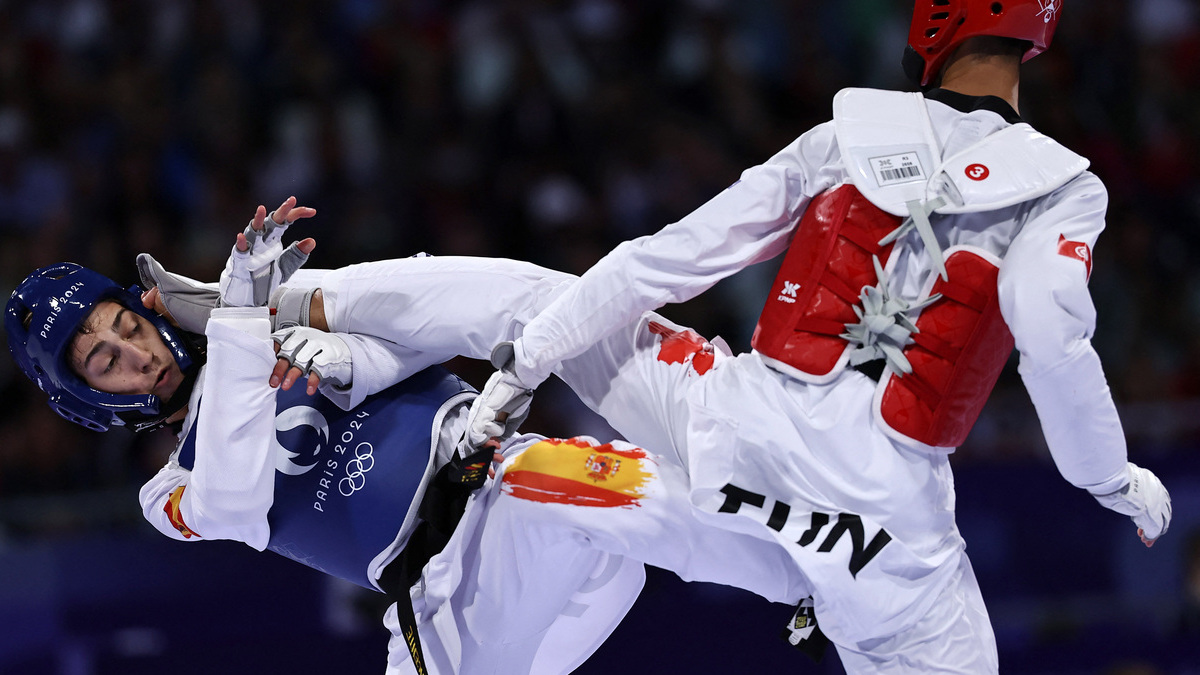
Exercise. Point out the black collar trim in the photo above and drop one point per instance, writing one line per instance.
(966, 104)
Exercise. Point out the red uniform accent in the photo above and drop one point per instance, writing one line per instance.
(679, 346)
(978, 172)
(957, 356)
(1077, 250)
(171, 508)
(818, 285)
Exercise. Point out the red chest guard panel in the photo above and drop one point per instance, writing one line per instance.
(956, 357)
(818, 285)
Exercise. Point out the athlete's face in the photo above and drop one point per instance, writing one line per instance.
(120, 352)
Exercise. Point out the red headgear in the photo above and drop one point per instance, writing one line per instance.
(940, 26)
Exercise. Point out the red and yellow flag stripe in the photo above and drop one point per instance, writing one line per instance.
(574, 471)
(173, 513)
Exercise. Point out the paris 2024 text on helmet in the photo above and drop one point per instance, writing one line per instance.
(42, 319)
(940, 26)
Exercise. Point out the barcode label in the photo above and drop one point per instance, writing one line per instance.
(902, 172)
(902, 168)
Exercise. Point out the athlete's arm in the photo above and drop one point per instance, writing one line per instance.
(229, 488)
(749, 222)
(1045, 301)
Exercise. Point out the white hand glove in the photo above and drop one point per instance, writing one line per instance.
(503, 393)
(315, 351)
(189, 302)
(251, 276)
(1144, 499)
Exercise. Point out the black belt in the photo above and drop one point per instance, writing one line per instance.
(440, 511)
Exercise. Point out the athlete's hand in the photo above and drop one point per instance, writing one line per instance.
(184, 301)
(1145, 500)
(315, 354)
(502, 405)
(258, 262)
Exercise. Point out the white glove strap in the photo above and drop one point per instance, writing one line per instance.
(290, 306)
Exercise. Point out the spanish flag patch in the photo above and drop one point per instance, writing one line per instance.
(172, 510)
(576, 472)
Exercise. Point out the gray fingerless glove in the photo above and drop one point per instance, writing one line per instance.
(189, 302)
(251, 276)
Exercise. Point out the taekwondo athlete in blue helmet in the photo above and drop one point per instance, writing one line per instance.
(362, 481)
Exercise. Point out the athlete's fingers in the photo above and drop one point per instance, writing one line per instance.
(306, 246)
(300, 212)
(260, 218)
(242, 243)
(293, 374)
(280, 215)
(314, 381)
(149, 297)
(152, 299)
(497, 458)
(281, 368)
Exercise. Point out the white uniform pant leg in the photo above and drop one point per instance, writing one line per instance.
(506, 596)
(643, 387)
(448, 305)
(631, 502)
(954, 638)
(641, 392)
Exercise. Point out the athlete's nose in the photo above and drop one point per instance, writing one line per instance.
(139, 357)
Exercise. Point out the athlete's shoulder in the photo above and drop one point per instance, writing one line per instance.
(1086, 192)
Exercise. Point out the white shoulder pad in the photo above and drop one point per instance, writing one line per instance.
(1011, 166)
(888, 145)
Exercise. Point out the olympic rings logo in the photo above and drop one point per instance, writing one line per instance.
(356, 469)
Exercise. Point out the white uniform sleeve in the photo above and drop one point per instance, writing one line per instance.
(158, 506)
(377, 364)
(749, 222)
(1045, 301)
(230, 488)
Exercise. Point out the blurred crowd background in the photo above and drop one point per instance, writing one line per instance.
(551, 130)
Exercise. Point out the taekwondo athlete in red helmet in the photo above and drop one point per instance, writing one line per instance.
(924, 236)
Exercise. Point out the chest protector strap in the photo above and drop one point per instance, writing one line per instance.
(818, 285)
(957, 354)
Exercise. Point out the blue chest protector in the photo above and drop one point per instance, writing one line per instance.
(346, 480)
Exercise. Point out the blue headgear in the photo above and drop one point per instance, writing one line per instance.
(42, 319)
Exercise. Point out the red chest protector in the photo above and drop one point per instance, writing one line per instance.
(957, 355)
(823, 272)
